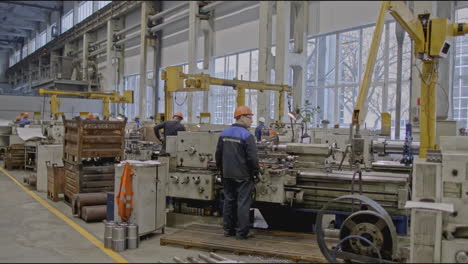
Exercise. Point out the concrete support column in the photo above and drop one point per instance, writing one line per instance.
(157, 52)
(143, 61)
(283, 24)
(295, 13)
(85, 55)
(445, 82)
(194, 27)
(109, 78)
(208, 30)
(265, 58)
(114, 62)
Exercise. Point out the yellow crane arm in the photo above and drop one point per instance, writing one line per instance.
(174, 82)
(359, 113)
(403, 15)
(107, 98)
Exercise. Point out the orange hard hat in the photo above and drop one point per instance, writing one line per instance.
(18, 118)
(90, 116)
(242, 110)
(179, 114)
(25, 115)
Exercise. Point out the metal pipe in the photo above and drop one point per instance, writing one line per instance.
(393, 147)
(96, 52)
(206, 258)
(341, 190)
(400, 36)
(168, 11)
(130, 36)
(211, 6)
(161, 26)
(218, 257)
(126, 29)
(97, 43)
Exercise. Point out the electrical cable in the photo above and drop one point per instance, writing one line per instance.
(183, 102)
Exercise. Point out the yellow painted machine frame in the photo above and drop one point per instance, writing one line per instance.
(174, 82)
(432, 40)
(107, 98)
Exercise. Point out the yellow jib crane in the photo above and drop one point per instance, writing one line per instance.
(174, 82)
(107, 98)
(432, 40)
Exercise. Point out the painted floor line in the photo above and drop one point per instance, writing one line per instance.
(118, 258)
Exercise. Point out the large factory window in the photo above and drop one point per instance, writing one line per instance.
(32, 45)
(24, 51)
(132, 82)
(102, 4)
(85, 10)
(222, 101)
(460, 75)
(67, 21)
(42, 40)
(335, 66)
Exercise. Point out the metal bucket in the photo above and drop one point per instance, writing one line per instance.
(133, 239)
(118, 238)
(108, 234)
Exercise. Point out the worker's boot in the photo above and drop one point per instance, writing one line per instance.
(229, 233)
(243, 237)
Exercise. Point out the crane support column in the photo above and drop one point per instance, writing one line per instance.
(428, 105)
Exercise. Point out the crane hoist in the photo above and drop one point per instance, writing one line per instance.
(432, 38)
(174, 82)
(106, 97)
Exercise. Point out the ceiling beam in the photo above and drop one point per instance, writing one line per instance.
(6, 47)
(41, 17)
(15, 26)
(8, 33)
(31, 5)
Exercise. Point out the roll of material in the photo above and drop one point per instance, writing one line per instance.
(93, 213)
(133, 240)
(88, 199)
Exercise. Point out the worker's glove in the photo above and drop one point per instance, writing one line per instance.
(257, 176)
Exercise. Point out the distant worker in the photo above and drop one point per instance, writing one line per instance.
(25, 120)
(236, 158)
(171, 127)
(90, 117)
(18, 120)
(261, 129)
(137, 121)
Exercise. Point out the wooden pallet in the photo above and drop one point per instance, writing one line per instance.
(295, 246)
(55, 181)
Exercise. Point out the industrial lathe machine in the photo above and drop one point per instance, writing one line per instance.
(293, 176)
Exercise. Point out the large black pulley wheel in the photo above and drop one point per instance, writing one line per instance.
(365, 236)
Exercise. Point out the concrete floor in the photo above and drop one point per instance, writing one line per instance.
(31, 233)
